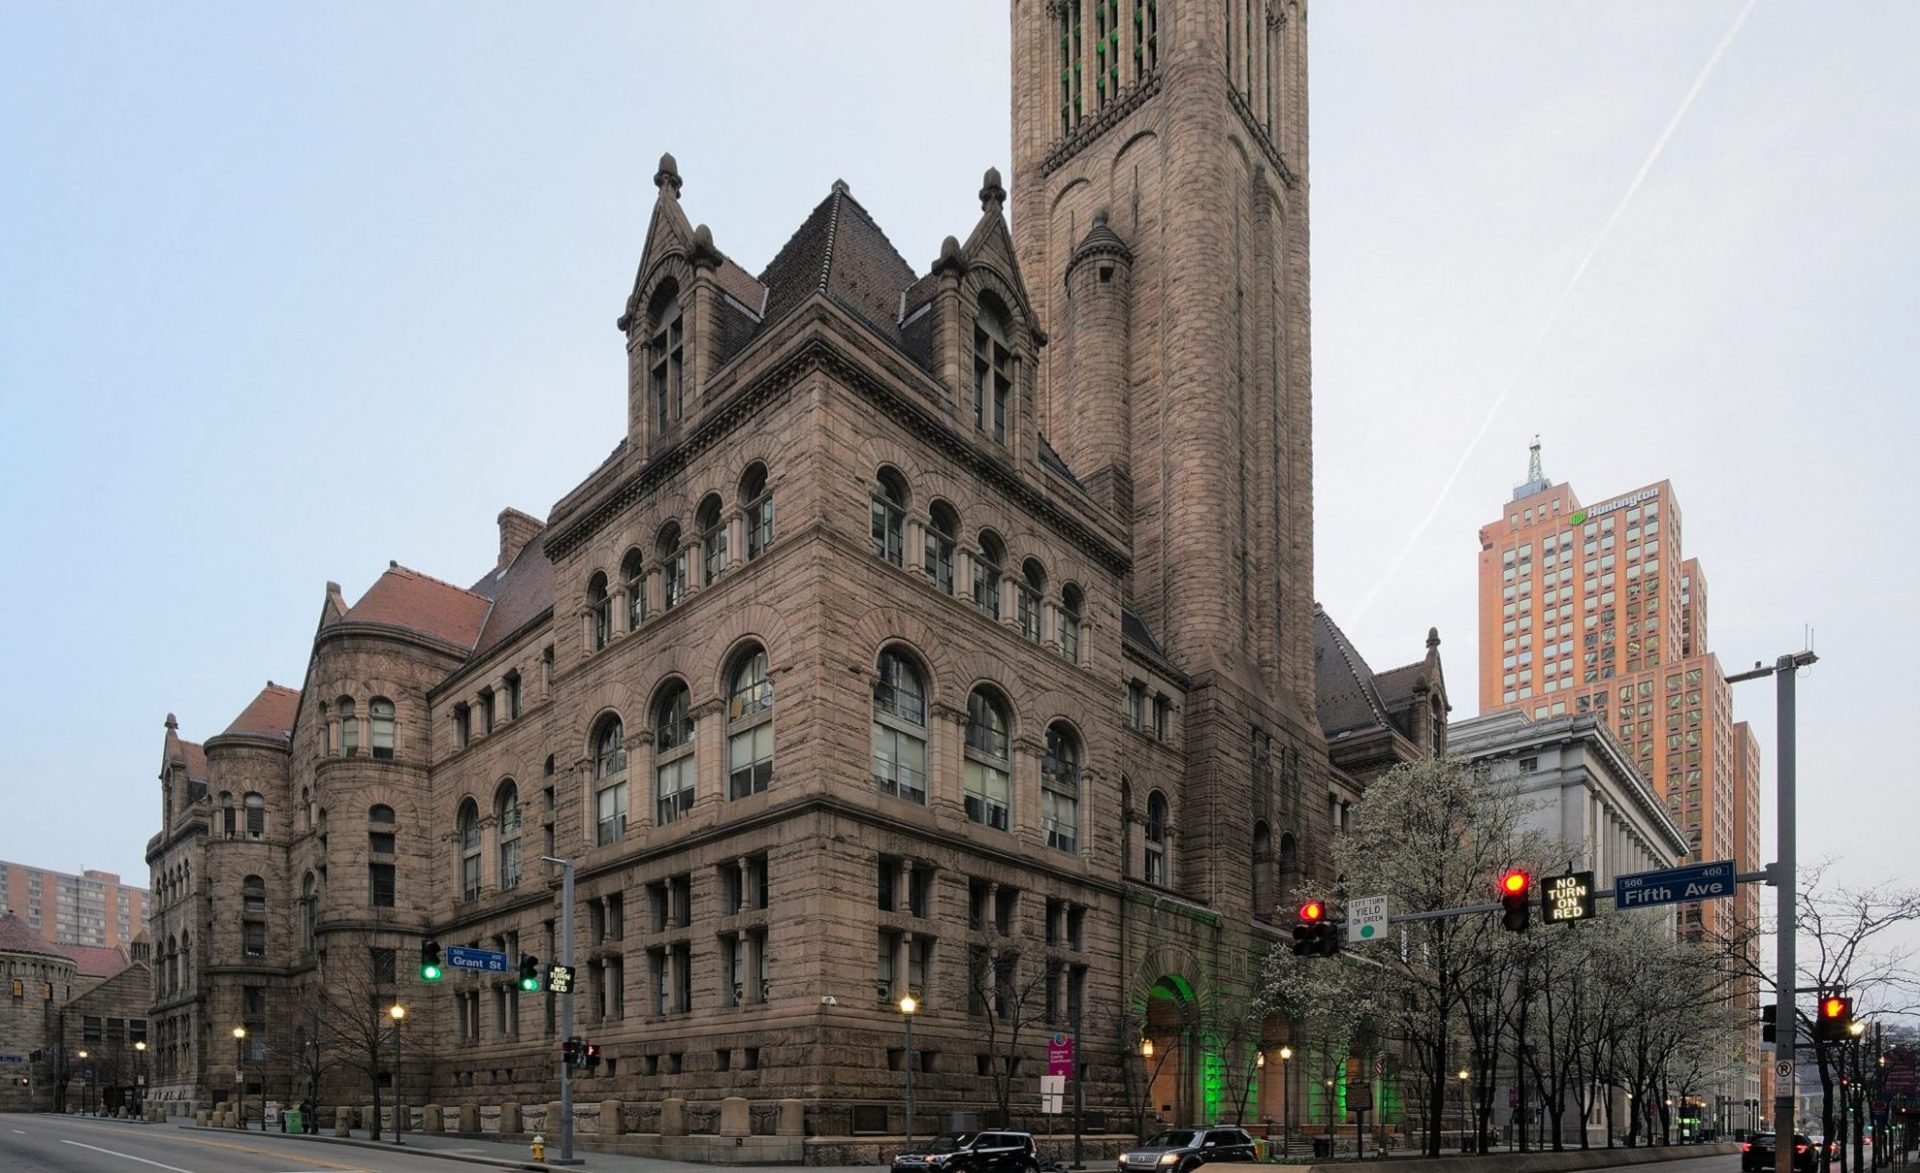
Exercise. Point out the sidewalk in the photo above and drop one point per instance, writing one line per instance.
(498, 1154)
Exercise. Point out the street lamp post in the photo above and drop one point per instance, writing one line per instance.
(1146, 1084)
(398, 1013)
(1465, 1075)
(1286, 1103)
(240, 1075)
(907, 1008)
(86, 1100)
(140, 1076)
(1329, 1084)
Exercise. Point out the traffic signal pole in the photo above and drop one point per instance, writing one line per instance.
(566, 1008)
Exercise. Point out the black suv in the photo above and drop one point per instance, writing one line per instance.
(972, 1152)
(1178, 1150)
(1756, 1154)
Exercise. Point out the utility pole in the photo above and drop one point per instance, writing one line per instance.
(1786, 887)
(566, 1008)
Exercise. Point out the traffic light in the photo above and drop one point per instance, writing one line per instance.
(1835, 1021)
(1515, 886)
(529, 974)
(1315, 934)
(430, 960)
(591, 1055)
(570, 1051)
(1769, 1019)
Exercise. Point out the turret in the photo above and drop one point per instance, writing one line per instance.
(1092, 422)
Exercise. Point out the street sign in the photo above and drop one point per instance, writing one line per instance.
(1566, 898)
(478, 960)
(11, 1060)
(1367, 918)
(1699, 881)
(1359, 1097)
(1053, 1094)
(560, 979)
(1783, 1070)
(1060, 1055)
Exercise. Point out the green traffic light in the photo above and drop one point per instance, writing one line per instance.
(429, 973)
(530, 985)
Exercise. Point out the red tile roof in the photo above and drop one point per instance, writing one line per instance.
(270, 715)
(417, 602)
(17, 936)
(518, 593)
(96, 961)
(196, 759)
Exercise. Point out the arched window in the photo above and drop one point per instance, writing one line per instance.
(380, 718)
(673, 567)
(988, 766)
(1156, 863)
(253, 916)
(1126, 827)
(992, 368)
(986, 573)
(468, 822)
(1031, 589)
(186, 959)
(610, 780)
(1060, 789)
(713, 540)
(171, 981)
(228, 824)
(890, 517)
(749, 725)
(666, 354)
(900, 729)
(506, 820)
(943, 525)
(1072, 603)
(673, 763)
(633, 577)
(1262, 870)
(380, 814)
(309, 911)
(757, 499)
(600, 612)
(349, 727)
(256, 807)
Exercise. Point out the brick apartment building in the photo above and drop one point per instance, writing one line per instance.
(946, 630)
(93, 908)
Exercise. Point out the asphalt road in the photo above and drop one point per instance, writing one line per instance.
(73, 1144)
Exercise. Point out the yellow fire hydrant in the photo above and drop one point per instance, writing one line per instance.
(539, 1148)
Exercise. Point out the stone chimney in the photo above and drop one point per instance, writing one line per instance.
(516, 530)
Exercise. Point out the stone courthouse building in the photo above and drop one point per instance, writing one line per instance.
(945, 629)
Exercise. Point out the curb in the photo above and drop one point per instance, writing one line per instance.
(355, 1142)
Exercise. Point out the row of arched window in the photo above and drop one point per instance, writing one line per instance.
(978, 572)
(507, 823)
(344, 732)
(174, 882)
(614, 608)
(173, 969)
(253, 806)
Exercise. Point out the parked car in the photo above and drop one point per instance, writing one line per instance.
(1178, 1150)
(972, 1152)
(1757, 1153)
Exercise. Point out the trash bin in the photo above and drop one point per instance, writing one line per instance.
(293, 1120)
(1323, 1148)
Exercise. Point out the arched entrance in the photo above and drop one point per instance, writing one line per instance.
(1172, 1027)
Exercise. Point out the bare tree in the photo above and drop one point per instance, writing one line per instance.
(349, 1005)
(1011, 999)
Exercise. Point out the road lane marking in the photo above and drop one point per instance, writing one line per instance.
(125, 1156)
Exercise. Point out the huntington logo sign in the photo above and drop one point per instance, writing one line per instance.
(1631, 499)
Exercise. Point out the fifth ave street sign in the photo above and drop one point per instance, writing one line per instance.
(1565, 898)
(1699, 881)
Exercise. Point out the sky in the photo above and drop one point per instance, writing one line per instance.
(287, 291)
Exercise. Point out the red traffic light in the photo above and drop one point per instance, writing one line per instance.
(1313, 912)
(1836, 1009)
(1515, 883)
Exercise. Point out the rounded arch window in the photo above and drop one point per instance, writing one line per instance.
(989, 768)
(229, 821)
(666, 354)
(672, 553)
(633, 580)
(349, 726)
(1060, 789)
(309, 910)
(749, 725)
(253, 910)
(712, 524)
(468, 822)
(673, 757)
(889, 522)
(900, 727)
(610, 780)
(1156, 839)
(506, 821)
(256, 808)
(1072, 607)
(987, 573)
(943, 530)
(599, 611)
(380, 814)
(757, 500)
(992, 367)
(1032, 588)
(380, 719)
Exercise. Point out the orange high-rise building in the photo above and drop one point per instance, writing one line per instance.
(1597, 609)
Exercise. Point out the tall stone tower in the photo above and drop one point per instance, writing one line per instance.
(1160, 159)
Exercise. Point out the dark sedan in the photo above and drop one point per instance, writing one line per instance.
(1178, 1150)
(972, 1152)
(1757, 1154)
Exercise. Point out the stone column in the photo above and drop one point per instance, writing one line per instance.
(916, 543)
(751, 943)
(736, 540)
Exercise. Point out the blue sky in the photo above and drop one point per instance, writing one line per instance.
(289, 291)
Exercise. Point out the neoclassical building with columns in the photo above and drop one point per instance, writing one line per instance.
(943, 629)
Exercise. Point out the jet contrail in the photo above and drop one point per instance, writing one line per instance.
(1553, 315)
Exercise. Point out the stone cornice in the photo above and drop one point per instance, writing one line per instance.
(1260, 136)
(1104, 120)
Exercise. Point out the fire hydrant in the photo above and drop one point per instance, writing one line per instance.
(539, 1148)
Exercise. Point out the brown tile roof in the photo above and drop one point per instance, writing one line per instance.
(269, 715)
(195, 755)
(840, 251)
(1346, 695)
(17, 936)
(417, 602)
(741, 285)
(96, 961)
(517, 593)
